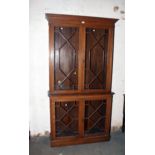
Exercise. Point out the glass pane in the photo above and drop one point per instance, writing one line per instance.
(66, 45)
(95, 112)
(95, 59)
(66, 118)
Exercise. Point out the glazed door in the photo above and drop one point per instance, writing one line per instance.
(66, 46)
(96, 50)
(97, 116)
(66, 118)
(64, 58)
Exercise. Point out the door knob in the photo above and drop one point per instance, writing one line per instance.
(74, 73)
(59, 82)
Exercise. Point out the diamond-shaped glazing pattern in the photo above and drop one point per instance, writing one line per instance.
(66, 118)
(95, 59)
(66, 44)
(95, 112)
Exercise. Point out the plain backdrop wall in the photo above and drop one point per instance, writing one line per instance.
(39, 70)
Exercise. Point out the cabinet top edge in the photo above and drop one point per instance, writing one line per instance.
(50, 17)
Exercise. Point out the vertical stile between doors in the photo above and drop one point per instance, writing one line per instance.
(81, 65)
(81, 58)
(81, 117)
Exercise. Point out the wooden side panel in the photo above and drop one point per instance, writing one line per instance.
(109, 59)
(108, 115)
(52, 118)
(51, 57)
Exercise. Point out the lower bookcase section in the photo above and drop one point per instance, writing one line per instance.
(80, 119)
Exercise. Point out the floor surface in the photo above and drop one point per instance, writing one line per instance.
(116, 146)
